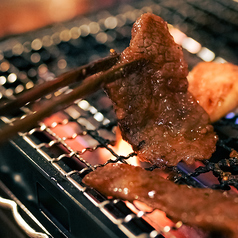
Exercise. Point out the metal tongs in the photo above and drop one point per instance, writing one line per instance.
(90, 77)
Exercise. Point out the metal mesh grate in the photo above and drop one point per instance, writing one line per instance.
(77, 140)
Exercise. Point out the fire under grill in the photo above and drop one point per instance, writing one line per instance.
(42, 169)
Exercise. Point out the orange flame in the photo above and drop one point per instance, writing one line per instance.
(123, 148)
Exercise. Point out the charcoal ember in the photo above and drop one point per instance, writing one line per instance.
(156, 114)
(205, 208)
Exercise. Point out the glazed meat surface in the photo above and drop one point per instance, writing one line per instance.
(215, 86)
(205, 208)
(156, 114)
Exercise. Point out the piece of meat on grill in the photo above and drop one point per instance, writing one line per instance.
(215, 86)
(156, 114)
(205, 208)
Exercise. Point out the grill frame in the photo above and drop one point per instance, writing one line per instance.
(36, 169)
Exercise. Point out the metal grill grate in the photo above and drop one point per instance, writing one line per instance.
(53, 158)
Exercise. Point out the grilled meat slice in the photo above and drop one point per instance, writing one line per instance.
(205, 208)
(215, 86)
(156, 114)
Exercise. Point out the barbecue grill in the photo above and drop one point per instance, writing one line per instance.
(41, 170)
